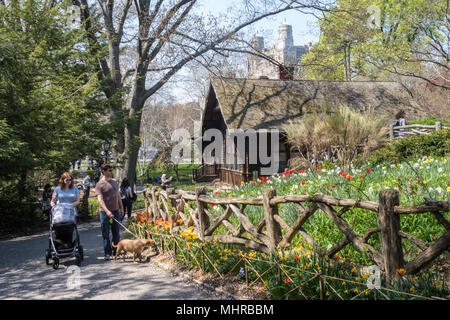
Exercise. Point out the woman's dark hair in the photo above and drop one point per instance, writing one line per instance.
(125, 183)
(400, 114)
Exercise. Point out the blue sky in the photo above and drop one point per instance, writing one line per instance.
(303, 25)
(304, 30)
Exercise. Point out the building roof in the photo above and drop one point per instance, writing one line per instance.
(265, 104)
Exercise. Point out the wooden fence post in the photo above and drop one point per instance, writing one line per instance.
(391, 242)
(202, 216)
(273, 227)
(171, 191)
(155, 208)
(391, 131)
(438, 125)
(146, 200)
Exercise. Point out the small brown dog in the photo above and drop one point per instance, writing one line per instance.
(134, 246)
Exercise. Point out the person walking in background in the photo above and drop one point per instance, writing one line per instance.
(400, 121)
(87, 184)
(126, 195)
(111, 209)
(165, 182)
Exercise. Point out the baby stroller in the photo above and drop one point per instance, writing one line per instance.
(62, 242)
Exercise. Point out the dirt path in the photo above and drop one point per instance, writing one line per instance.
(24, 274)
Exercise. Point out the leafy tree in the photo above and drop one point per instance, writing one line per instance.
(50, 101)
(157, 39)
(408, 38)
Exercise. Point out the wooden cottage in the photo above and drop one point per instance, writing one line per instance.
(262, 104)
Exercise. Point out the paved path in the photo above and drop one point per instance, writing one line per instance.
(24, 274)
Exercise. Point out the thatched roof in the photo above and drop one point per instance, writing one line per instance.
(264, 104)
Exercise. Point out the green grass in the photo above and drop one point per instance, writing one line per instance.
(185, 177)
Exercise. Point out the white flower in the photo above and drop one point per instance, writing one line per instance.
(370, 189)
(439, 189)
(440, 170)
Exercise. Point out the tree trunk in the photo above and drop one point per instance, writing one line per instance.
(132, 141)
(345, 61)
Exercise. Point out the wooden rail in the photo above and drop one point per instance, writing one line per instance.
(272, 232)
(413, 129)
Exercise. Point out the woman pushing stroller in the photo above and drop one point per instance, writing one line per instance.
(66, 192)
(65, 199)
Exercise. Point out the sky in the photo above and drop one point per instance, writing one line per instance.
(304, 30)
(303, 25)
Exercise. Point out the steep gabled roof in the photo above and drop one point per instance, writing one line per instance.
(264, 104)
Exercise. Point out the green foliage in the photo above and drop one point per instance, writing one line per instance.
(50, 104)
(431, 121)
(410, 39)
(19, 209)
(436, 144)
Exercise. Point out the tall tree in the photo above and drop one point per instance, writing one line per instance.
(379, 39)
(49, 101)
(167, 35)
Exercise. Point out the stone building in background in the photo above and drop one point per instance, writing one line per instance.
(285, 55)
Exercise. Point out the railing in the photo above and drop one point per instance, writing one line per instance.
(205, 170)
(389, 260)
(413, 129)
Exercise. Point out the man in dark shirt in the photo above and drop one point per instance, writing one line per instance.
(110, 205)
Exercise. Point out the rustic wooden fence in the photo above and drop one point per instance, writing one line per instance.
(268, 235)
(413, 129)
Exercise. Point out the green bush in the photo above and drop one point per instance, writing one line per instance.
(436, 144)
(431, 121)
(19, 209)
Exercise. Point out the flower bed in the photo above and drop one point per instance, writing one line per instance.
(297, 272)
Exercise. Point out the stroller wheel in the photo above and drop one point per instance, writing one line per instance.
(55, 263)
(47, 257)
(78, 257)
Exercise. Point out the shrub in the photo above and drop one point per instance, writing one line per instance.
(349, 131)
(431, 121)
(436, 144)
(19, 209)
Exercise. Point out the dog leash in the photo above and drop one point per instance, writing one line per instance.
(126, 228)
